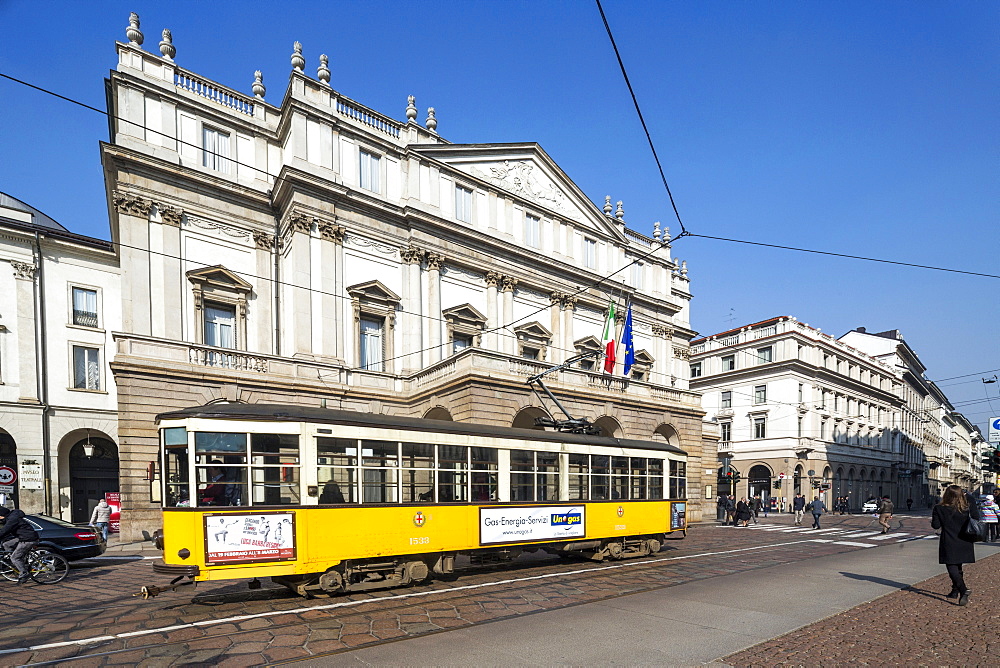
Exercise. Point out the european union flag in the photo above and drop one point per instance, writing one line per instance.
(627, 341)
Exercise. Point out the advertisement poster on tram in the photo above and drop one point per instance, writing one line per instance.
(514, 525)
(678, 517)
(114, 500)
(240, 538)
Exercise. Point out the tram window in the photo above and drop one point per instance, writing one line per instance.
(378, 477)
(484, 474)
(547, 480)
(175, 467)
(214, 442)
(379, 453)
(453, 479)
(522, 475)
(579, 470)
(655, 478)
(416, 477)
(275, 469)
(678, 480)
(639, 480)
(336, 473)
(418, 456)
(600, 480)
(619, 478)
(220, 483)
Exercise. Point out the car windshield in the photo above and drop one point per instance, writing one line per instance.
(53, 520)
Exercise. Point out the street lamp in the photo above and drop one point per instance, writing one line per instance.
(88, 447)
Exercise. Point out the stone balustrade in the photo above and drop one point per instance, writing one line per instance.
(192, 83)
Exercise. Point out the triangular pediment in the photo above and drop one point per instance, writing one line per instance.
(465, 312)
(373, 291)
(588, 343)
(219, 276)
(528, 173)
(643, 357)
(534, 330)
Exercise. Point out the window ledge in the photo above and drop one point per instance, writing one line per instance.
(99, 330)
(83, 389)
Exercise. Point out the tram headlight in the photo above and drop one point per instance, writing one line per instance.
(183, 553)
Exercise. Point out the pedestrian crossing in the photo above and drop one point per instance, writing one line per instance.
(849, 537)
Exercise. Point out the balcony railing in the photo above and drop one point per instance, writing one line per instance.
(725, 446)
(213, 91)
(226, 359)
(368, 117)
(84, 318)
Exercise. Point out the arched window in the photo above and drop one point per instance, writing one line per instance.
(525, 418)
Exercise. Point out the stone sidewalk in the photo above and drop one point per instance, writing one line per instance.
(915, 626)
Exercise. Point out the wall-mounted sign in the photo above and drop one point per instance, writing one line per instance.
(31, 474)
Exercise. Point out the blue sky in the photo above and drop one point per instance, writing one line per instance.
(855, 127)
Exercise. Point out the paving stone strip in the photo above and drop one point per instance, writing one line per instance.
(916, 626)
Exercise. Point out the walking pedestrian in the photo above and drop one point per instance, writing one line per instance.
(101, 518)
(885, 513)
(817, 508)
(950, 517)
(743, 513)
(755, 506)
(991, 514)
(799, 505)
(731, 510)
(909, 504)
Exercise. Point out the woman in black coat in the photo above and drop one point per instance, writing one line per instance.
(743, 512)
(950, 516)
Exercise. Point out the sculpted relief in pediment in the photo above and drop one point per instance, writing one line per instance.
(519, 177)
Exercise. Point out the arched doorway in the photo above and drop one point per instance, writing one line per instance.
(668, 433)
(438, 413)
(797, 480)
(8, 457)
(525, 418)
(91, 477)
(759, 482)
(608, 426)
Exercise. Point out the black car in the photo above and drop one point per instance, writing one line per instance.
(70, 541)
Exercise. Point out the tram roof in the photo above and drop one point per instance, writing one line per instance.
(293, 413)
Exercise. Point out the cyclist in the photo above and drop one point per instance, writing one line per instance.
(18, 537)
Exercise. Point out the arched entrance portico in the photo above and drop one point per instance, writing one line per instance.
(759, 482)
(525, 418)
(91, 477)
(608, 426)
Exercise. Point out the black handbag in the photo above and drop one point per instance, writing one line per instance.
(974, 531)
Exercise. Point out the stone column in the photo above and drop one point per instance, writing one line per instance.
(411, 318)
(434, 324)
(491, 337)
(297, 315)
(27, 352)
(557, 352)
(262, 313)
(507, 285)
(331, 254)
(133, 234)
(167, 321)
(568, 309)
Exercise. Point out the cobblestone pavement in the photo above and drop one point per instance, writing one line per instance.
(916, 626)
(93, 619)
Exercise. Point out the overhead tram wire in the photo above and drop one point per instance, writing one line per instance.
(277, 179)
(642, 120)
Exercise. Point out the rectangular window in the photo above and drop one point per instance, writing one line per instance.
(463, 204)
(696, 370)
(460, 342)
(220, 326)
(371, 344)
(800, 428)
(728, 362)
(589, 253)
(369, 171)
(727, 399)
(760, 427)
(822, 429)
(221, 468)
(532, 232)
(800, 392)
(337, 461)
(727, 431)
(678, 480)
(86, 368)
(760, 394)
(216, 153)
(529, 353)
(764, 355)
(637, 275)
(84, 307)
(274, 472)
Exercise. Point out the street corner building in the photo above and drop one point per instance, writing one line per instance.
(801, 411)
(320, 253)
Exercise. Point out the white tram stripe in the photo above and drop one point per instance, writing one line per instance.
(397, 597)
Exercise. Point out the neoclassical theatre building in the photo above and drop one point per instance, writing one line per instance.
(306, 249)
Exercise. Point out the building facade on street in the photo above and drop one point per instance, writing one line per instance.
(315, 251)
(59, 303)
(799, 411)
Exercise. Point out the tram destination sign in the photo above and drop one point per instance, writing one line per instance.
(242, 538)
(518, 525)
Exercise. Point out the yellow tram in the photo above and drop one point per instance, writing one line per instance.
(330, 501)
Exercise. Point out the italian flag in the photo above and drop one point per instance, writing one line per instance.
(609, 340)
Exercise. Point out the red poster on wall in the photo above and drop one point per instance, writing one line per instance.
(114, 500)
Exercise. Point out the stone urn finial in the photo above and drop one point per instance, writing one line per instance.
(411, 108)
(684, 268)
(258, 85)
(298, 61)
(323, 71)
(620, 212)
(132, 32)
(431, 122)
(656, 230)
(607, 205)
(167, 47)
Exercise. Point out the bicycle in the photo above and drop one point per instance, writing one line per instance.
(46, 567)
